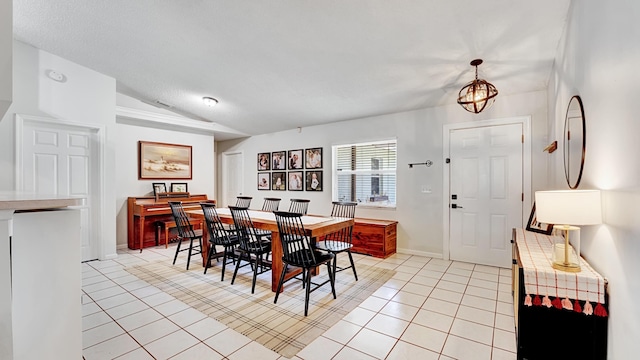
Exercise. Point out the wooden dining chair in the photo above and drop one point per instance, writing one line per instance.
(185, 232)
(340, 241)
(297, 251)
(299, 206)
(218, 236)
(252, 249)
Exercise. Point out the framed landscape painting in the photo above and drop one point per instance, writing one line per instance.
(163, 161)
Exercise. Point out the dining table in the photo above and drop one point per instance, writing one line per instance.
(316, 226)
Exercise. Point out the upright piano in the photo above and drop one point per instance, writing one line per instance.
(144, 213)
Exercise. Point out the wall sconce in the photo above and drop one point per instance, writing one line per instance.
(478, 94)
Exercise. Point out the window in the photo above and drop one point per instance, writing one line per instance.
(366, 173)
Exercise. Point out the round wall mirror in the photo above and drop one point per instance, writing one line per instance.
(574, 142)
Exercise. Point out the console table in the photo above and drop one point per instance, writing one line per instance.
(559, 315)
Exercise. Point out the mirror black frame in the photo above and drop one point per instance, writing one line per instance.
(566, 136)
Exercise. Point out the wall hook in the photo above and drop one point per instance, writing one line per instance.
(426, 163)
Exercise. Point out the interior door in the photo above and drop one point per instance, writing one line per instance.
(58, 160)
(232, 177)
(486, 193)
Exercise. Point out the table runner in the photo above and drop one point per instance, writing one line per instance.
(541, 279)
(266, 215)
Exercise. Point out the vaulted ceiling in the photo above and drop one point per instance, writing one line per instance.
(277, 65)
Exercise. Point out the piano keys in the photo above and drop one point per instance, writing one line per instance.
(143, 213)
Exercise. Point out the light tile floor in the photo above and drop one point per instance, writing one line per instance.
(430, 309)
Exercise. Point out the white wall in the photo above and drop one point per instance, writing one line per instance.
(419, 135)
(126, 153)
(86, 97)
(598, 60)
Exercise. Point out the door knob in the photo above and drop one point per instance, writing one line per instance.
(455, 206)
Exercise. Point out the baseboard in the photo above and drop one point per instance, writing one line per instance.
(419, 253)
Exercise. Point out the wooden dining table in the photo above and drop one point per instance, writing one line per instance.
(315, 227)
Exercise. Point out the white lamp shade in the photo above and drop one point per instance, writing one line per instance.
(569, 207)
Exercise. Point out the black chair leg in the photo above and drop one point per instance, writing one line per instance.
(211, 250)
(332, 278)
(189, 256)
(255, 274)
(177, 250)
(352, 265)
(307, 291)
(284, 271)
(224, 264)
(235, 272)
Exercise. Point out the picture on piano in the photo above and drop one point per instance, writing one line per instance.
(159, 188)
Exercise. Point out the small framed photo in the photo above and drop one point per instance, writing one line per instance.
(279, 180)
(314, 181)
(159, 188)
(279, 160)
(264, 161)
(536, 226)
(294, 161)
(264, 181)
(313, 158)
(295, 181)
(178, 187)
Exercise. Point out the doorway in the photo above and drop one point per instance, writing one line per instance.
(486, 188)
(233, 177)
(55, 157)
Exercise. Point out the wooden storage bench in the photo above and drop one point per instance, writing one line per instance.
(374, 237)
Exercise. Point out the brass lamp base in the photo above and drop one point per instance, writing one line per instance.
(566, 267)
(564, 257)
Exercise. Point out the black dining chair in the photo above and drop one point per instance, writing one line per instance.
(218, 236)
(299, 206)
(270, 204)
(251, 247)
(341, 241)
(185, 232)
(297, 251)
(243, 201)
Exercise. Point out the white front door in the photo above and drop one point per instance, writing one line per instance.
(486, 192)
(233, 180)
(58, 159)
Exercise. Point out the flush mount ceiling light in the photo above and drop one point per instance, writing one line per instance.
(209, 101)
(478, 94)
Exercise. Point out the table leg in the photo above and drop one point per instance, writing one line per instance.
(276, 262)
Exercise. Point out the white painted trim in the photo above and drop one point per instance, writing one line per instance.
(144, 117)
(526, 168)
(419, 253)
(101, 157)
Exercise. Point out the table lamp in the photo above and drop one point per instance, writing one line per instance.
(565, 209)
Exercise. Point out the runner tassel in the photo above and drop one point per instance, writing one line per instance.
(600, 310)
(566, 304)
(527, 300)
(576, 306)
(536, 301)
(588, 309)
(546, 301)
(557, 303)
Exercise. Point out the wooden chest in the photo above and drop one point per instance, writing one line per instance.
(374, 237)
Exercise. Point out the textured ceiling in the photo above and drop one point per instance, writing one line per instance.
(277, 65)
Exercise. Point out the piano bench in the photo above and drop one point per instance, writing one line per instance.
(170, 224)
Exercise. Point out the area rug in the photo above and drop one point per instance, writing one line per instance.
(281, 327)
